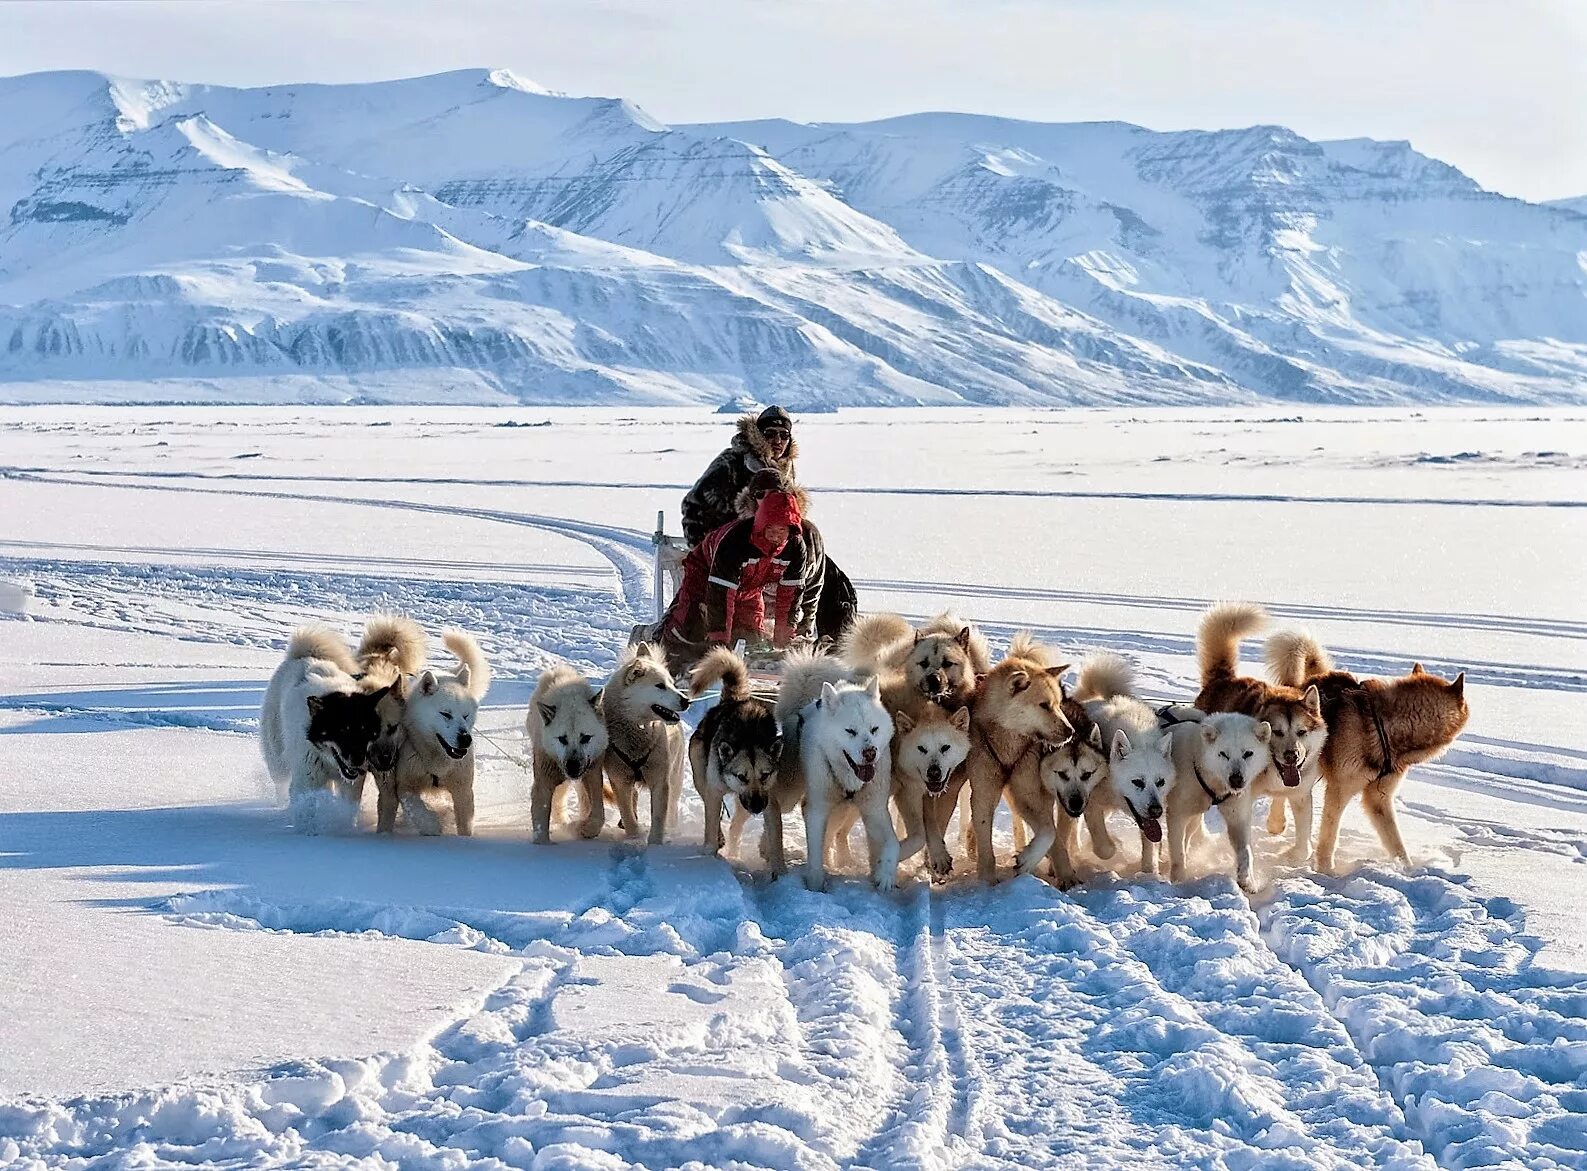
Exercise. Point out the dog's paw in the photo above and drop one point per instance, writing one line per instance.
(540, 839)
(1298, 855)
(1104, 850)
(816, 885)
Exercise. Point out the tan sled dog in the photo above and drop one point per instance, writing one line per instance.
(1377, 729)
(1293, 713)
(1019, 705)
(392, 648)
(642, 706)
(568, 735)
(938, 663)
(437, 742)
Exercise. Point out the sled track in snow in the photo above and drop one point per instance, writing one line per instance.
(627, 550)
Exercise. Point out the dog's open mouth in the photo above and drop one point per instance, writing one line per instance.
(348, 771)
(451, 750)
(1288, 773)
(936, 788)
(1075, 807)
(666, 713)
(1150, 826)
(865, 772)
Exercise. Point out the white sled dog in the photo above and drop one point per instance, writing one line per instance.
(568, 738)
(315, 730)
(838, 740)
(1141, 767)
(437, 742)
(644, 744)
(1219, 758)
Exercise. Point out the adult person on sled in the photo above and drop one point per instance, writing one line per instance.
(763, 443)
(725, 579)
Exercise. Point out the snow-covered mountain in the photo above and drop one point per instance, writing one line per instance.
(472, 236)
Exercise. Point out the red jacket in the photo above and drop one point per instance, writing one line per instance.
(724, 577)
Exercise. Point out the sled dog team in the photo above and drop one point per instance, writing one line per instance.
(903, 726)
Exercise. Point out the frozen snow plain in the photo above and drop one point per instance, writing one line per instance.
(188, 982)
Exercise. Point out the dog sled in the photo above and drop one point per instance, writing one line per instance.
(668, 552)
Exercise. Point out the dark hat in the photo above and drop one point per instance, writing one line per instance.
(774, 419)
(765, 480)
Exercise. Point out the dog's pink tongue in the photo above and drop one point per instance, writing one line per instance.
(1290, 773)
(1153, 830)
(865, 772)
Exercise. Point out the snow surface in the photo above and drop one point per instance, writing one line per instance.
(189, 982)
(472, 238)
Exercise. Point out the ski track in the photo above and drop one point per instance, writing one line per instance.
(958, 1027)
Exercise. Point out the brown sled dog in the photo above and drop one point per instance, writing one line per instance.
(1377, 729)
(1294, 713)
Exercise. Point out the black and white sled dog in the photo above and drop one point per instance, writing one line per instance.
(736, 751)
(644, 744)
(838, 741)
(568, 734)
(316, 728)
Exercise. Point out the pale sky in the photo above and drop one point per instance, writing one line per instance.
(1496, 87)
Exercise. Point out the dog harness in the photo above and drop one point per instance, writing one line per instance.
(1206, 788)
(1008, 769)
(1388, 767)
(1167, 719)
(637, 767)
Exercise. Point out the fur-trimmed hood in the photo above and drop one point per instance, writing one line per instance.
(744, 502)
(749, 439)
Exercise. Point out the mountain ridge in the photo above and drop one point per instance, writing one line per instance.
(479, 228)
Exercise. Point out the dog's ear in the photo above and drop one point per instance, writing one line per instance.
(1095, 739)
(399, 688)
(775, 748)
(644, 651)
(463, 675)
(963, 638)
(316, 705)
(1209, 732)
(548, 712)
(1057, 672)
(961, 719)
(903, 723)
(1313, 700)
(724, 752)
(1121, 744)
(1418, 669)
(873, 688)
(829, 693)
(428, 683)
(1018, 681)
(1458, 686)
(1264, 732)
(595, 698)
